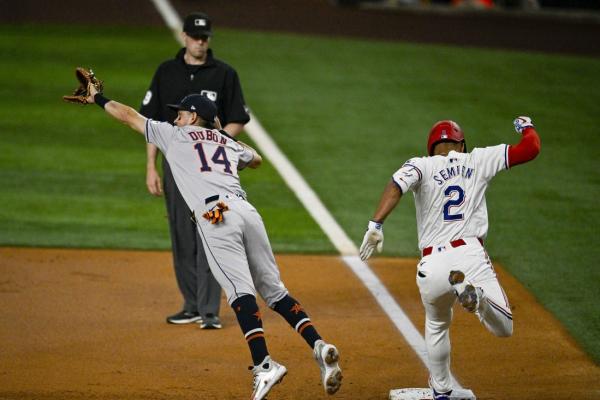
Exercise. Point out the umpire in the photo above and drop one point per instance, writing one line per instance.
(193, 70)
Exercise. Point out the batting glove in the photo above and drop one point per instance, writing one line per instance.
(521, 123)
(373, 239)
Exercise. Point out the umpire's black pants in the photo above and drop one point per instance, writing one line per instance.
(200, 290)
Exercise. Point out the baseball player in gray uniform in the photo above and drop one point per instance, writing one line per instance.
(449, 189)
(205, 161)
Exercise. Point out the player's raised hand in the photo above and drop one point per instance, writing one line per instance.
(373, 239)
(521, 123)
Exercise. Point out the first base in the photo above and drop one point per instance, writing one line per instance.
(426, 394)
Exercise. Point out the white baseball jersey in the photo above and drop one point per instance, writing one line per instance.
(450, 192)
(204, 161)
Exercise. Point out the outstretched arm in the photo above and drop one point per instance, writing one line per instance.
(121, 112)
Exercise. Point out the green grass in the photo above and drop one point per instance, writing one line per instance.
(348, 113)
(70, 176)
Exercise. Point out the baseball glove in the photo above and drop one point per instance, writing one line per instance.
(86, 77)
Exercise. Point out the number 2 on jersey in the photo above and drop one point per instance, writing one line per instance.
(219, 157)
(453, 202)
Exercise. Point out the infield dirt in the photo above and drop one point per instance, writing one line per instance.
(89, 324)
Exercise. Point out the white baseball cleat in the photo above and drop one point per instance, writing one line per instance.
(266, 375)
(468, 295)
(327, 356)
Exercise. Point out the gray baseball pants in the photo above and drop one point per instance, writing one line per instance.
(239, 253)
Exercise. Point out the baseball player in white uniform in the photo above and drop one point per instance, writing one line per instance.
(205, 162)
(449, 188)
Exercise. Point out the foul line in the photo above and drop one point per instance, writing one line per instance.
(300, 187)
(321, 215)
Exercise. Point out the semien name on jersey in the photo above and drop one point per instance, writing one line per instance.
(451, 172)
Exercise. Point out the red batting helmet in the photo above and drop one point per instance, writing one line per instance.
(445, 131)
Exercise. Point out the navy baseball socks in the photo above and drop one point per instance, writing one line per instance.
(249, 318)
(294, 314)
(266, 371)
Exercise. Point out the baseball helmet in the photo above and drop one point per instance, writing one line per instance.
(445, 131)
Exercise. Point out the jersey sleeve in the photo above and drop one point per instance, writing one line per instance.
(526, 150)
(233, 107)
(159, 134)
(246, 157)
(491, 160)
(410, 175)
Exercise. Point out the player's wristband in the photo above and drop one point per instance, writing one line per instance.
(377, 225)
(100, 100)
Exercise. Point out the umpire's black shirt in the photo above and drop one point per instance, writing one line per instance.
(174, 79)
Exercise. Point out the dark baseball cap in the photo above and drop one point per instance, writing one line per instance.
(197, 24)
(201, 105)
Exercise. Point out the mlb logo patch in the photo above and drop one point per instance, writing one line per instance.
(444, 134)
(200, 22)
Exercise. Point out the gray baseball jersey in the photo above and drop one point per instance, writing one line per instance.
(204, 163)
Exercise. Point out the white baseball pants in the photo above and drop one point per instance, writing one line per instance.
(438, 298)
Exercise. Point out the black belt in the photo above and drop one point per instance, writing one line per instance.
(211, 199)
(216, 197)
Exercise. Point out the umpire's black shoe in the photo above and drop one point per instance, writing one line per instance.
(210, 321)
(184, 317)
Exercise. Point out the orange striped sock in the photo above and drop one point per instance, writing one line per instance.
(249, 318)
(295, 315)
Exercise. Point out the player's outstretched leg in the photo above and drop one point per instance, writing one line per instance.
(326, 355)
(266, 372)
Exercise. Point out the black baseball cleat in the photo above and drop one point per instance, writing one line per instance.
(210, 321)
(184, 317)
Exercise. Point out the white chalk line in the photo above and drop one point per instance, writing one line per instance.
(320, 214)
